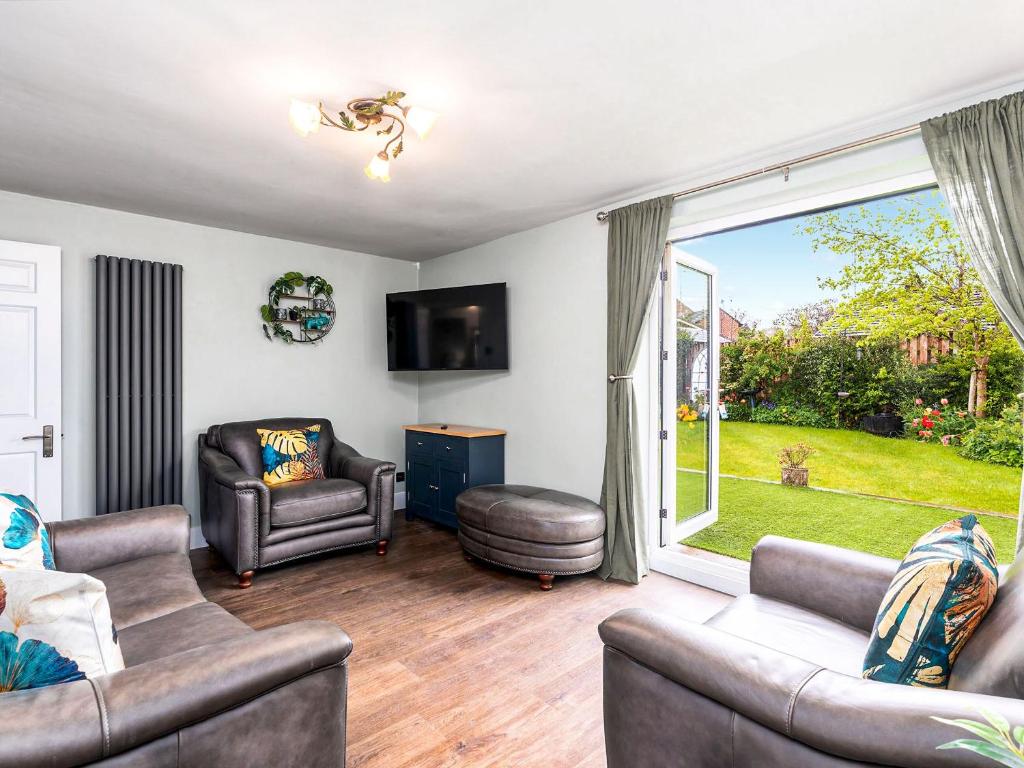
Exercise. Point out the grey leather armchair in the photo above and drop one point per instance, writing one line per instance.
(253, 526)
(773, 680)
(199, 688)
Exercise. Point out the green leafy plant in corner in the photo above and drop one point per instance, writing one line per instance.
(285, 286)
(995, 741)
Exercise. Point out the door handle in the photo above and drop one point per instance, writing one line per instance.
(47, 438)
(433, 487)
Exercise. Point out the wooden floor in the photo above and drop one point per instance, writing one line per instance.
(456, 663)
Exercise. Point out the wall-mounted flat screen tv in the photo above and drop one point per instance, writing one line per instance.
(449, 329)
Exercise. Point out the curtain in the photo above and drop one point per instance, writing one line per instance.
(138, 384)
(636, 241)
(978, 157)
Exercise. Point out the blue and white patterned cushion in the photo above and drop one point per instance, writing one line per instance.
(24, 542)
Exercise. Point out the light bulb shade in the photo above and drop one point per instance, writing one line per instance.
(420, 120)
(304, 117)
(379, 168)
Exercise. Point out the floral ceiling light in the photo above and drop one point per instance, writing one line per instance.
(386, 115)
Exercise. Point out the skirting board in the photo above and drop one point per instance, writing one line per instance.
(197, 541)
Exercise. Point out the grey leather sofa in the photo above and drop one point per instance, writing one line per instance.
(253, 526)
(773, 680)
(200, 688)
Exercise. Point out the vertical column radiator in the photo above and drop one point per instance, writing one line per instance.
(138, 384)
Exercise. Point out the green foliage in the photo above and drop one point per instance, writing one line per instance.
(756, 361)
(285, 286)
(995, 739)
(996, 441)
(794, 415)
(391, 98)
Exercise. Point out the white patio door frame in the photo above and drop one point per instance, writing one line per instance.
(724, 574)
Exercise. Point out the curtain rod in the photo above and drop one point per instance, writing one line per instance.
(905, 131)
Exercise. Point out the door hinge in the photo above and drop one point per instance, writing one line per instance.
(663, 434)
(663, 514)
(663, 276)
(664, 354)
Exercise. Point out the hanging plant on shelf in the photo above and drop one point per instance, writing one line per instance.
(314, 323)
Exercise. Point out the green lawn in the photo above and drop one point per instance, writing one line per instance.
(748, 510)
(848, 461)
(856, 461)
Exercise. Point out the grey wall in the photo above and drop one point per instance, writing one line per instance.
(552, 400)
(230, 370)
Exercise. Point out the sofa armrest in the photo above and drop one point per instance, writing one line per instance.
(83, 545)
(858, 719)
(840, 583)
(158, 697)
(379, 478)
(225, 470)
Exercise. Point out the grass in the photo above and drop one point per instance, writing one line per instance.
(748, 510)
(856, 461)
(848, 461)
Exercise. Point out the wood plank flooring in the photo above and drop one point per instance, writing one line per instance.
(456, 664)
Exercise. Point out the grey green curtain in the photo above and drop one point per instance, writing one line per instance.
(978, 157)
(636, 241)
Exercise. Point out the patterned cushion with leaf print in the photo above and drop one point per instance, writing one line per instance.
(291, 454)
(24, 542)
(941, 592)
(55, 628)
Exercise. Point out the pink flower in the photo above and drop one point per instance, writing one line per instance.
(946, 439)
(944, 401)
(920, 433)
(917, 422)
(918, 401)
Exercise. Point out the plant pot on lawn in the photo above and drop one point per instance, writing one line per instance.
(795, 476)
(791, 459)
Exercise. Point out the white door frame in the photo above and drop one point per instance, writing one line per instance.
(729, 575)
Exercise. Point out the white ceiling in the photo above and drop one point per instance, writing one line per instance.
(179, 109)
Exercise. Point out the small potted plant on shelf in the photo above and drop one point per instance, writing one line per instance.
(792, 459)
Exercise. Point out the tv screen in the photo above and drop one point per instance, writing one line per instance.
(448, 329)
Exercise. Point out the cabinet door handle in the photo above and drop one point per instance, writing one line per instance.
(433, 487)
(447, 447)
(419, 442)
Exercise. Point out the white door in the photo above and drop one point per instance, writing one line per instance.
(690, 391)
(30, 428)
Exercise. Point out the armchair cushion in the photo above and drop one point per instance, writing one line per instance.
(24, 540)
(308, 501)
(795, 631)
(940, 594)
(291, 454)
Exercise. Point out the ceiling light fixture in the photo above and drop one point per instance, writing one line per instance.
(385, 112)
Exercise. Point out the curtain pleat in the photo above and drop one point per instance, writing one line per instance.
(636, 241)
(138, 384)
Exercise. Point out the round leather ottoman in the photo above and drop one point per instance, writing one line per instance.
(531, 529)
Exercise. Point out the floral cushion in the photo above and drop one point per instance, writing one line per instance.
(55, 627)
(941, 592)
(24, 542)
(291, 454)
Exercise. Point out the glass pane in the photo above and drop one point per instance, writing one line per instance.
(692, 314)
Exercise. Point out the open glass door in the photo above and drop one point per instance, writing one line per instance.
(690, 402)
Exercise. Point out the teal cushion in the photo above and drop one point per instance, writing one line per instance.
(24, 542)
(941, 592)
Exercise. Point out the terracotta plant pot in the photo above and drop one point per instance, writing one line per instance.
(795, 476)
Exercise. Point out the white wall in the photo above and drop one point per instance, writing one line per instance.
(231, 371)
(552, 400)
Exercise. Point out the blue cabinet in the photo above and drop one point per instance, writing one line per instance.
(441, 463)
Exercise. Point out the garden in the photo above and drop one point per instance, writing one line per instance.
(903, 390)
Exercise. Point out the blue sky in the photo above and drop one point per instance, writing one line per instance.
(766, 269)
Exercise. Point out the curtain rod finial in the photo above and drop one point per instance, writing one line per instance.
(602, 216)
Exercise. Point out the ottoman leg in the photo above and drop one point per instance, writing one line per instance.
(546, 581)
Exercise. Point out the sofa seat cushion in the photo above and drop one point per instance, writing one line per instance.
(192, 627)
(307, 501)
(794, 631)
(143, 589)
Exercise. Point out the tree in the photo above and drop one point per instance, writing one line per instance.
(815, 315)
(910, 274)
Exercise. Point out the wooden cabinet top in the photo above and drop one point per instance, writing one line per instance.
(454, 430)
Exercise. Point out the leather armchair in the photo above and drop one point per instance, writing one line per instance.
(773, 680)
(199, 687)
(253, 526)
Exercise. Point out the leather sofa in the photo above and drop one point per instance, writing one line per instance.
(773, 680)
(253, 526)
(200, 688)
